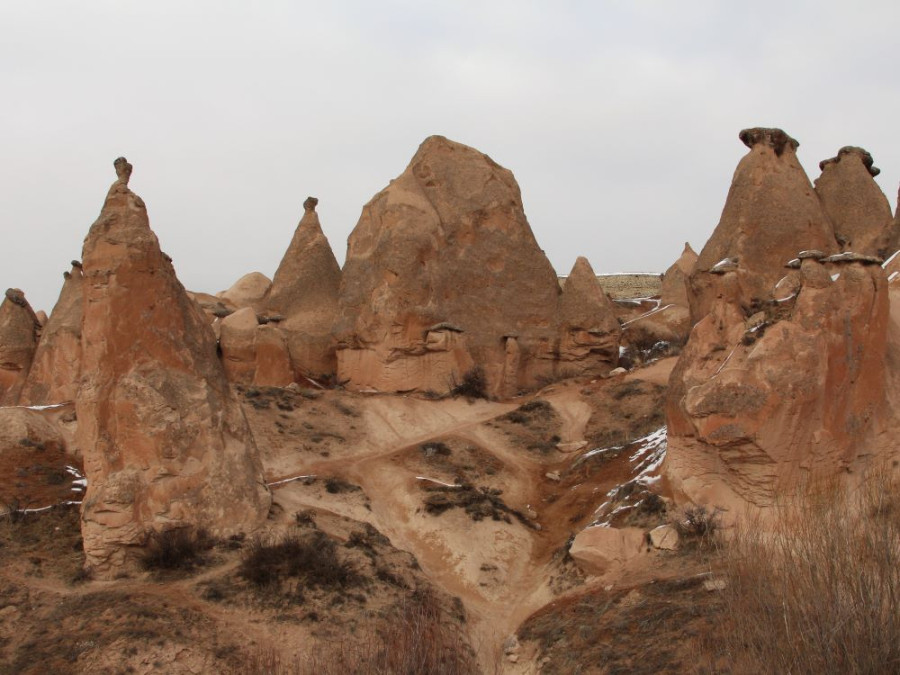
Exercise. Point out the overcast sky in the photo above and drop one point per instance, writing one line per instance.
(619, 119)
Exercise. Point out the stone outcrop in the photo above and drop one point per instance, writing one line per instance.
(589, 333)
(19, 333)
(598, 550)
(771, 213)
(443, 274)
(670, 321)
(248, 291)
(305, 290)
(759, 406)
(855, 204)
(253, 353)
(56, 368)
(164, 439)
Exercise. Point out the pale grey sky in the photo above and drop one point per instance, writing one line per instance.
(618, 118)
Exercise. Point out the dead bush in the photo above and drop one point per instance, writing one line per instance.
(699, 526)
(473, 385)
(817, 590)
(183, 548)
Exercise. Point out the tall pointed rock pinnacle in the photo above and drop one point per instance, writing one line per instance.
(54, 374)
(18, 340)
(771, 213)
(165, 441)
(856, 205)
(305, 290)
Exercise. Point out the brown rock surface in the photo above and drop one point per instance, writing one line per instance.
(56, 368)
(855, 204)
(254, 354)
(758, 407)
(589, 331)
(676, 283)
(248, 291)
(599, 550)
(164, 439)
(442, 271)
(19, 332)
(771, 213)
(305, 290)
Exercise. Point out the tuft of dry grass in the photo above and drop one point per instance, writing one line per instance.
(817, 589)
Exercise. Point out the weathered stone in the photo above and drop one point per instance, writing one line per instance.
(447, 241)
(598, 550)
(664, 537)
(771, 213)
(248, 291)
(56, 368)
(19, 331)
(165, 441)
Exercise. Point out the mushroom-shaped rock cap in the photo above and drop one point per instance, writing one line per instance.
(310, 204)
(123, 169)
(16, 296)
(774, 138)
(864, 155)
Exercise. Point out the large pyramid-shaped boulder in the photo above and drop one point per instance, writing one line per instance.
(56, 368)
(795, 395)
(305, 290)
(165, 441)
(857, 207)
(442, 274)
(19, 332)
(676, 282)
(589, 330)
(771, 213)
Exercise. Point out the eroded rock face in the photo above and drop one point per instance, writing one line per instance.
(589, 331)
(760, 405)
(771, 213)
(305, 290)
(442, 272)
(165, 442)
(56, 368)
(19, 333)
(253, 353)
(855, 204)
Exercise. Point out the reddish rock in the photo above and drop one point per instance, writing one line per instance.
(771, 213)
(19, 333)
(442, 271)
(305, 290)
(165, 441)
(589, 330)
(598, 550)
(254, 354)
(56, 369)
(758, 407)
(855, 204)
(676, 283)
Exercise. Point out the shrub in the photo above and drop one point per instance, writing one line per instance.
(182, 548)
(311, 560)
(699, 526)
(817, 590)
(473, 385)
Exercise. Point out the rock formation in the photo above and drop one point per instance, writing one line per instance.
(670, 321)
(589, 331)
(443, 274)
(164, 439)
(248, 291)
(253, 353)
(305, 290)
(857, 207)
(771, 213)
(56, 368)
(758, 406)
(19, 332)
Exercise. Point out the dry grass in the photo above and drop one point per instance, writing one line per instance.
(818, 589)
(418, 637)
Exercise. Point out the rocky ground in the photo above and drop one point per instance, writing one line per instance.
(392, 504)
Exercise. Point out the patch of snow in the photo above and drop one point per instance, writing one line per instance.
(37, 407)
(888, 261)
(439, 482)
(646, 314)
(290, 480)
(893, 275)
(835, 276)
(791, 296)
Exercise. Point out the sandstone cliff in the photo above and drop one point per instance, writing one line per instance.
(165, 442)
